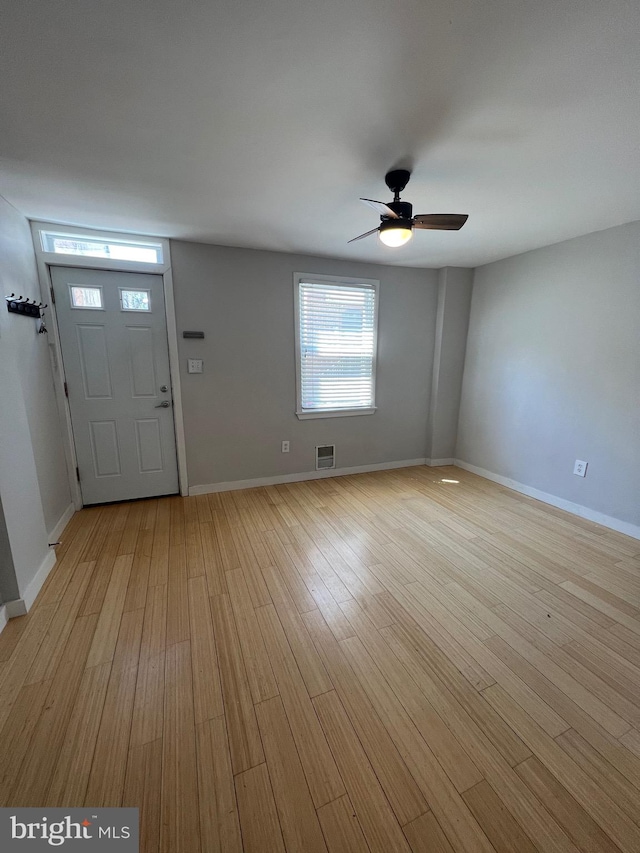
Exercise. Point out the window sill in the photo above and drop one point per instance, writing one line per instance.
(307, 414)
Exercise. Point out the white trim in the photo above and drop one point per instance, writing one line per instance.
(234, 485)
(45, 260)
(436, 463)
(46, 291)
(609, 521)
(65, 518)
(15, 608)
(306, 414)
(31, 592)
(311, 278)
(176, 388)
(23, 605)
(4, 617)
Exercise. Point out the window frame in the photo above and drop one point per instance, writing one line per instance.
(98, 238)
(146, 290)
(71, 232)
(312, 278)
(75, 307)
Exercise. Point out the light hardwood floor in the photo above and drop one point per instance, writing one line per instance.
(383, 662)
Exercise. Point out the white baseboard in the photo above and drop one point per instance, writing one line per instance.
(437, 463)
(58, 530)
(15, 608)
(20, 606)
(233, 485)
(609, 521)
(31, 592)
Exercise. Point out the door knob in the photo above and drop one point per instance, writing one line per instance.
(163, 405)
(164, 388)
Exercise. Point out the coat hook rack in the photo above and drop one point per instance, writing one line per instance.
(26, 307)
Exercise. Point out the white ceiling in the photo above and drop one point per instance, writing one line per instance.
(253, 123)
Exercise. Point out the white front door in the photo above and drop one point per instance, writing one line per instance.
(113, 332)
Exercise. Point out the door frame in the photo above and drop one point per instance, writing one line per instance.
(44, 262)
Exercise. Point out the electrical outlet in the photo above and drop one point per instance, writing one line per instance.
(285, 446)
(580, 468)
(194, 365)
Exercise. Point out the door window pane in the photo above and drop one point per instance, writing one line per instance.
(135, 300)
(86, 297)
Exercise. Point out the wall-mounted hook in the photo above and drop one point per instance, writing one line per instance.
(26, 307)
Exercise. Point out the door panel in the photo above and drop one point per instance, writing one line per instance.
(104, 448)
(141, 362)
(149, 445)
(94, 362)
(116, 361)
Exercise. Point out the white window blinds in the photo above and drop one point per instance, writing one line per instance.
(337, 345)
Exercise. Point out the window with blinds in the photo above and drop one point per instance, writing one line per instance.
(336, 322)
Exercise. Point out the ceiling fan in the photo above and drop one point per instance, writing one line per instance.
(396, 218)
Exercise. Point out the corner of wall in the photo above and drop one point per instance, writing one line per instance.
(452, 323)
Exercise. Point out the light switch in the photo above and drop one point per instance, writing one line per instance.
(194, 365)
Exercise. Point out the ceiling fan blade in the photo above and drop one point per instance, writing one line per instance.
(362, 236)
(440, 221)
(382, 208)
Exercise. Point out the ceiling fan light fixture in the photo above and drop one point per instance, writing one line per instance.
(395, 232)
(397, 221)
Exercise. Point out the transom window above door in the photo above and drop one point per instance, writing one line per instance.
(89, 246)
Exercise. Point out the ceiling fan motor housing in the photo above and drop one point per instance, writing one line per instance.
(402, 208)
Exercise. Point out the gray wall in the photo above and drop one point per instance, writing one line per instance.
(8, 583)
(19, 491)
(243, 405)
(27, 412)
(452, 323)
(552, 371)
(33, 367)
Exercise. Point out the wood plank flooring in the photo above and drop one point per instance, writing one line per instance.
(381, 662)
